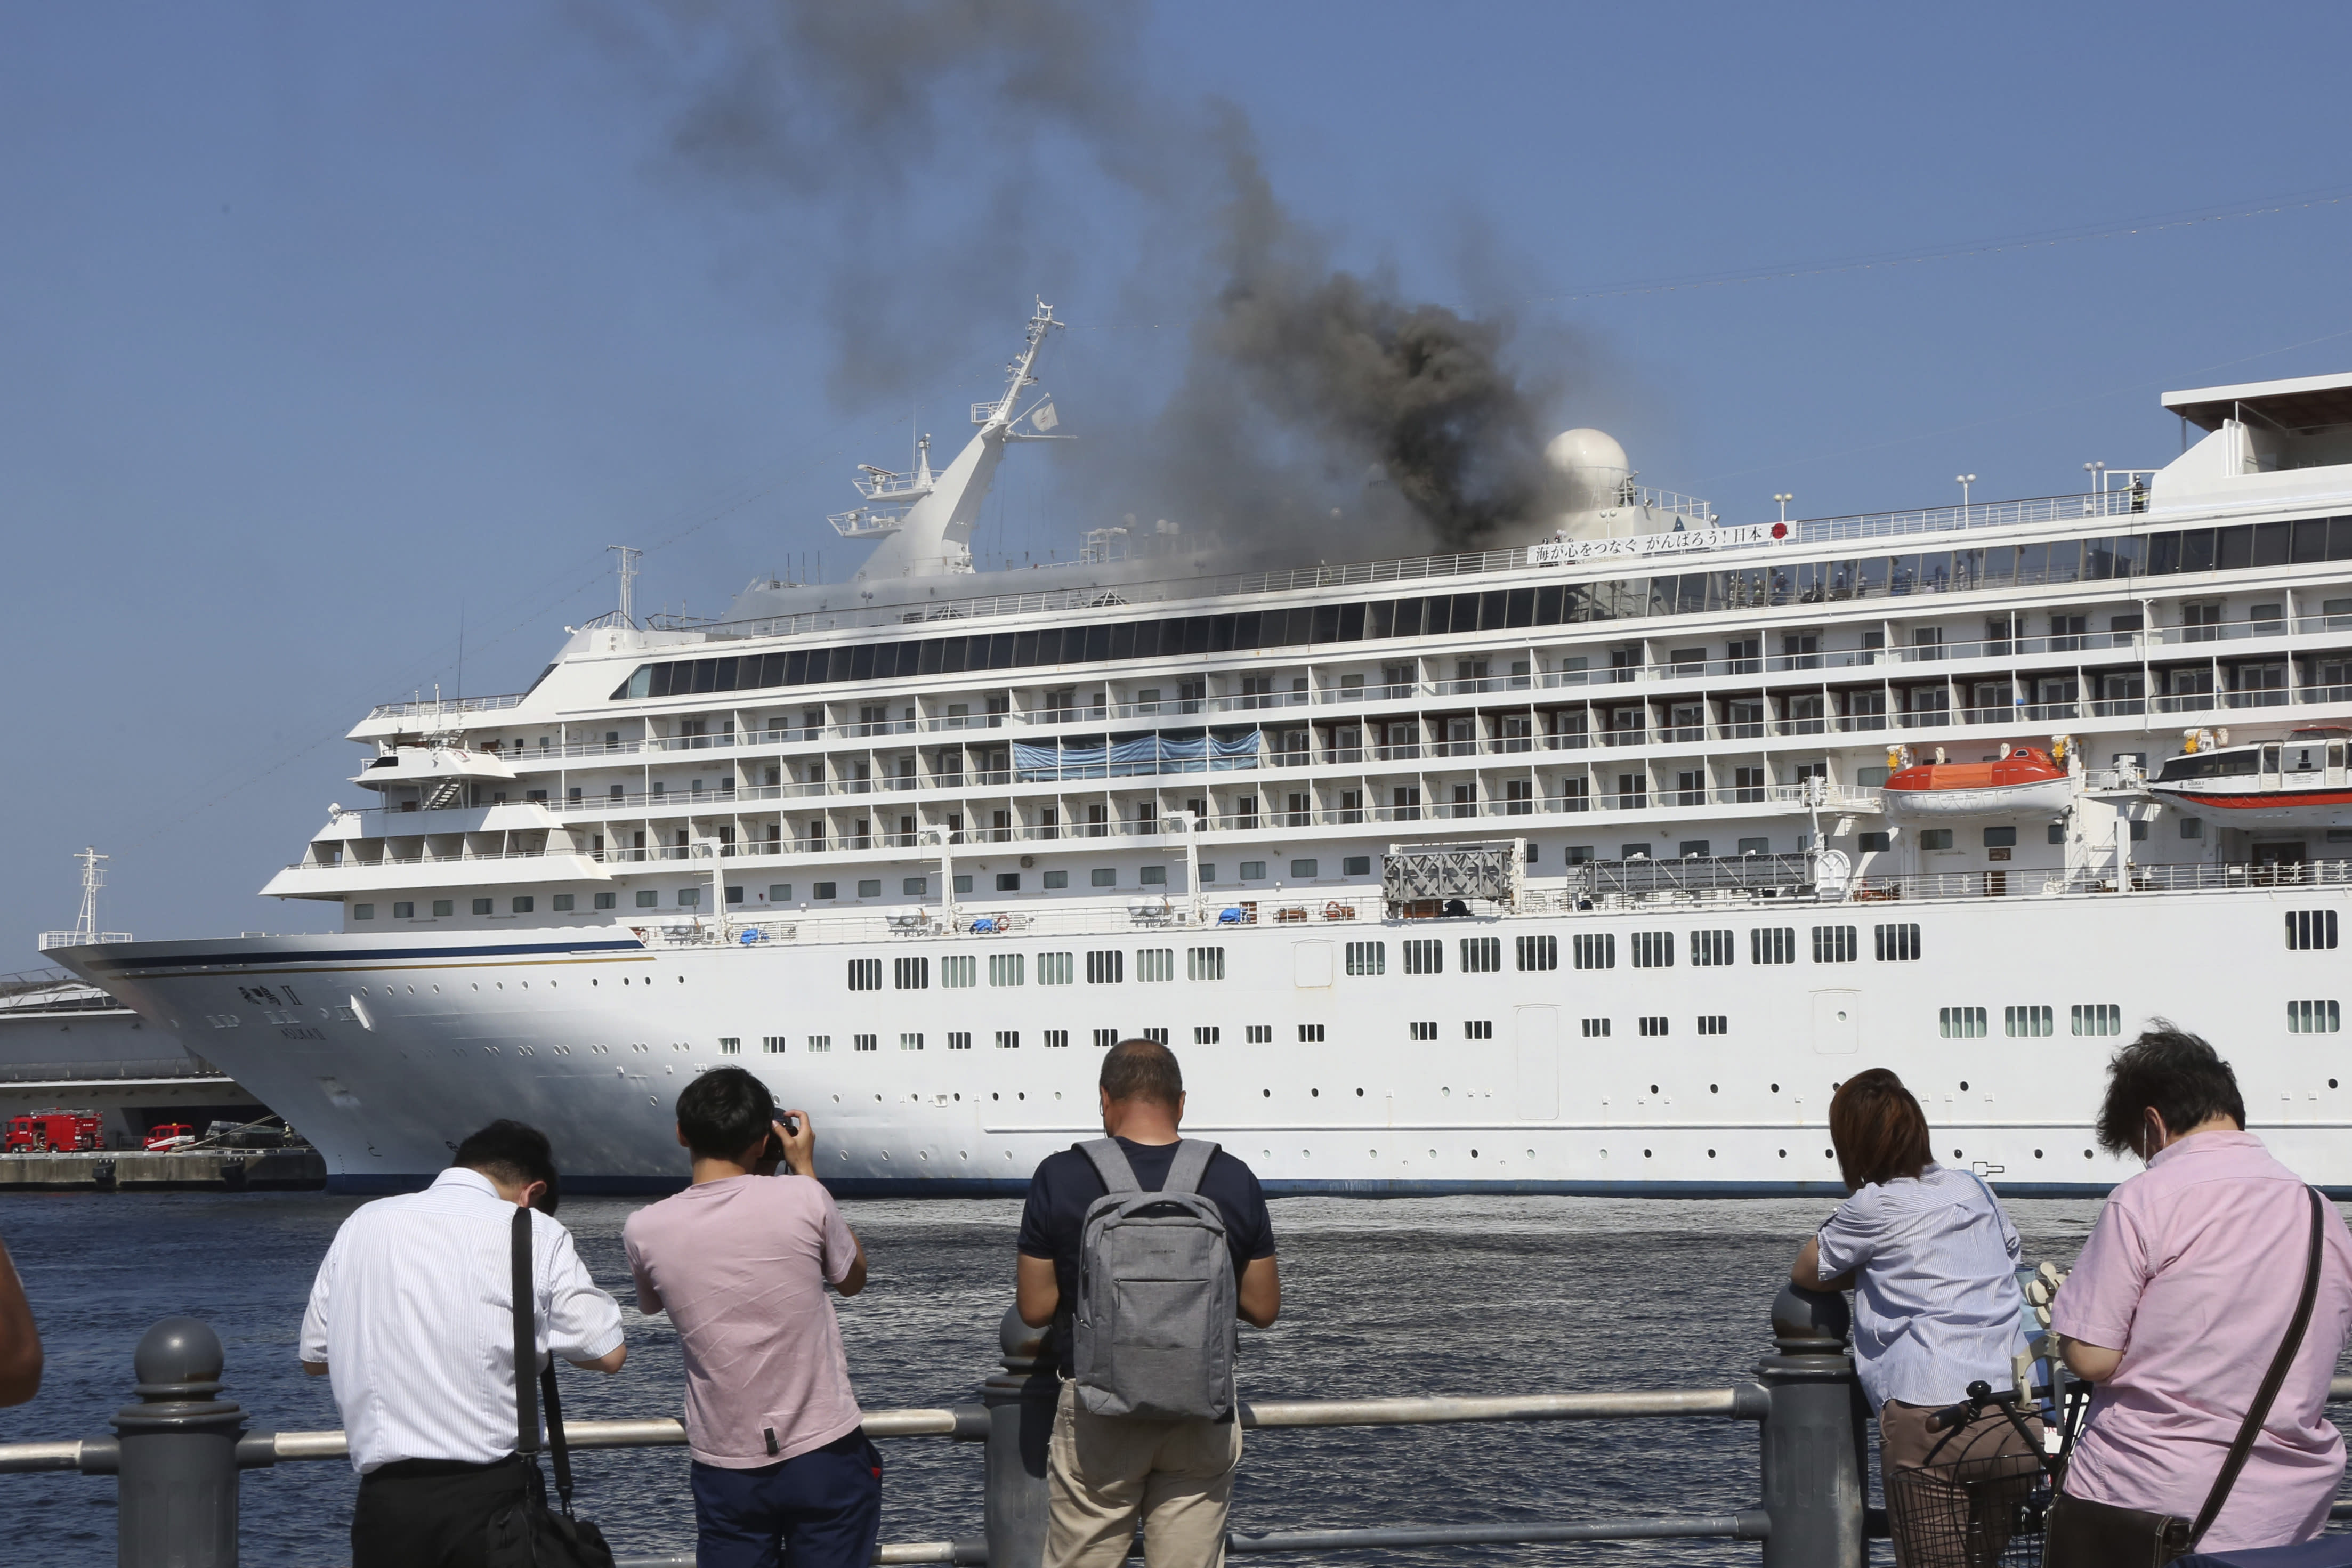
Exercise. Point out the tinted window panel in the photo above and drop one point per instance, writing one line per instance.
(2234, 547)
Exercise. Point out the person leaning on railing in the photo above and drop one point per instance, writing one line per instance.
(2182, 1299)
(1931, 1261)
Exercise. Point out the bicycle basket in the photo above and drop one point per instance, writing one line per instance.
(1983, 1509)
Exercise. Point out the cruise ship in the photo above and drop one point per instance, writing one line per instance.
(1589, 864)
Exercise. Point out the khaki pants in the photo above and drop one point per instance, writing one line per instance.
(1102, 1470)
(1956, 1510)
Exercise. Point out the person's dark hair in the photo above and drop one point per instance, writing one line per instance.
(2178, 1075)
(513, 1152)
(1143, 1069)
(1878, 1129)
(723, 1112)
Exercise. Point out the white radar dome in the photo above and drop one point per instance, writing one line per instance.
(1594, 466)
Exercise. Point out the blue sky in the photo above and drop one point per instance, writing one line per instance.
(320, 329)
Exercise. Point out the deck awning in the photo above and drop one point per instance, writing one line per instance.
(2307, 403)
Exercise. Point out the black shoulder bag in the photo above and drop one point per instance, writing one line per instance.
(2083, 1533)
(527, 1535)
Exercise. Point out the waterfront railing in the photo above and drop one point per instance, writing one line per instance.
(177, 1453)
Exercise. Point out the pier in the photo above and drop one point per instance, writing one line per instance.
(170, 1171)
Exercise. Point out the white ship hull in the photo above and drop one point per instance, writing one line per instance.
(386, 1055)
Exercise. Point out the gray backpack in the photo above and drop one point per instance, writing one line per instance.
(1153, 1332)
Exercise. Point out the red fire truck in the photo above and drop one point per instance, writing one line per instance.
(41, 1130)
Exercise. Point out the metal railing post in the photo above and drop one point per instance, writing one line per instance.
(176, 1489)
(1813, 1457)
(1020, 1401)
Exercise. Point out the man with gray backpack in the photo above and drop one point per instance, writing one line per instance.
(1141, 1249)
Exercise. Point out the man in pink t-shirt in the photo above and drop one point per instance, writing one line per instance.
(739, 1261)
(2181, 1298)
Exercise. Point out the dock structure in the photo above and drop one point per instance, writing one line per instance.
(180, 1170)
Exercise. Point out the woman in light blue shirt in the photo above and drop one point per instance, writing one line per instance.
(1931, 1261)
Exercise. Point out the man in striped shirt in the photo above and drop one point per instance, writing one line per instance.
(413, 1317)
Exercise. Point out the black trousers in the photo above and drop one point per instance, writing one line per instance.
(433, 1513)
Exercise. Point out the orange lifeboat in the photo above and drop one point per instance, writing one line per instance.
(2026, 781)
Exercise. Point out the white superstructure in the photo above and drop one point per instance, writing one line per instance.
(913, 846)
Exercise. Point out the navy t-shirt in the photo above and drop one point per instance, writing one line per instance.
(1054, 1219)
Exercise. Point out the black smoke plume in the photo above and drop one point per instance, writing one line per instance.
(1320, 413)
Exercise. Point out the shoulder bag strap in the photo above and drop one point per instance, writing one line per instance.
(2272, 1381)
(1192, 1163)
(558, 1449)
(1111, 1159)
(526, 1340)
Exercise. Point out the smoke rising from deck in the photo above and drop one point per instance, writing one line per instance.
(1320, 413)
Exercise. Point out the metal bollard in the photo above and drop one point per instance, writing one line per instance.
(1019, 1402)
(1813, 1457)
(176, 1489)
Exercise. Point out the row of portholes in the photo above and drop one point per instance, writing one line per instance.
(1312, 1093)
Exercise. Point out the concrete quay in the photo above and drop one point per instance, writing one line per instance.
(194, 1170)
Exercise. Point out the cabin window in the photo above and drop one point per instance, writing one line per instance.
(914, 887)
(484, 906)
(1964, 1022)
(1654, 950)
(1106, 967)
(1209, 962)
(1897, 943)
(1876, 843)
(1368, 958)
(1594, 950)
(1935, 839)
(1424, 1031)
(912, 974)
(1006, 968)
(959, 1039)
(910, 1042)
(2026, 1023)
(607, 900)
(1538, 953)
(444, 908)
(2000, 838)
(2309, 928)
(958, 973)
(773, 1045)
(2313, 1018)
(1008, 1039)
(1106, 1038)
(2098, 1018)
(1710, 949)
(1056, 880)
(1482, 954)
(1310, 1033)
(866, 1042)
(1478, 1030)
(1654, 1025)
(1772, 944)
(1155, 963)
(1713, 1024)
(865, 974)
(1058, 1039)
(1424, 956)
(1056, 968)
(1263, 1034)
(1596, 1028)
(403, 911)
(363, 911)
(820, 1043)
(1834, 944)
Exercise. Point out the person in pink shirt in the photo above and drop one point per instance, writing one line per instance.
(740, 1261)
(2181, 1298)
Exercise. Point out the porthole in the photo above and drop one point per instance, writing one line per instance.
(1360, 1094)
(2086, 1154)
(1314, 1094)
(1829, 1153)
(1964, 1086)
(1645, 1153)
(1712, 1090)
(2037, 1153)
(1654, 1088)
(2331, 1083)
(1267, 1093)
(1776, 1088)
(1710, 1153)
(1784, 1153)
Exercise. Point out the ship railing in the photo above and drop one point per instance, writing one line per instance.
(445, 707)
(1772, 587)
(55, 939)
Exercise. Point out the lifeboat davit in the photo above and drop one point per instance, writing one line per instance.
(2024, 782)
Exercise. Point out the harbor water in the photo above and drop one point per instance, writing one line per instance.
(1469, 1295)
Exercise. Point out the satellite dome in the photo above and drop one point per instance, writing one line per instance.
(1592, 467)
(1582, 450)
